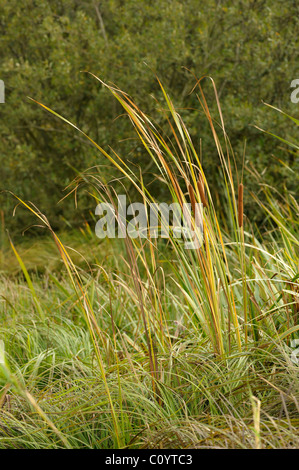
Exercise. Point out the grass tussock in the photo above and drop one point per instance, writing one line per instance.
(158, 345)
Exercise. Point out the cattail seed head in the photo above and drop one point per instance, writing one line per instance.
(240, 205)
(201, 189)
(192, 198)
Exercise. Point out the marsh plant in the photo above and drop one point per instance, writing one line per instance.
(147, 343)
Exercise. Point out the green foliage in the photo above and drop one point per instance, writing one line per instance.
(52, 394)
(154, 346)
(249, 47)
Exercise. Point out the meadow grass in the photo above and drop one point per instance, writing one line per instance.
(142, 343)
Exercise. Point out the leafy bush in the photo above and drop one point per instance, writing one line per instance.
(249, 47)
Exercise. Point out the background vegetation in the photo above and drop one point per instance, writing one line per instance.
(248, 47)
(133, 343)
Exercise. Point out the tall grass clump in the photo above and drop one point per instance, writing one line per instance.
(165, 346)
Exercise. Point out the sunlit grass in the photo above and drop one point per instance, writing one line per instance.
(142, 343)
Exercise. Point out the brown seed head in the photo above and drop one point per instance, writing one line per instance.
(192, 198)
(201, 189)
